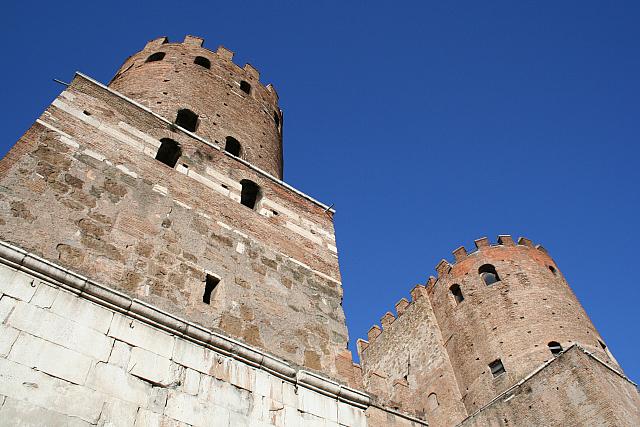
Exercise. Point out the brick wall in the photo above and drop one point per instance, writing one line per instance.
(574, 389)
(82, 188)
(176, 82)
(407, 363)
(512, 320)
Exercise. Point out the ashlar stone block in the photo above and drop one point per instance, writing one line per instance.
(51, 358)
(193, 356)
(51, 327)
(20, 413)
(22, 383)
(188, 409)
(82, 311)
(115, 382)
(140, 335)
(8, 336)
(152, 367)
(17, 284)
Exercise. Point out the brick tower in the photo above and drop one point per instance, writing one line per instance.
(156, 270)
(216, 99)
(471, 337)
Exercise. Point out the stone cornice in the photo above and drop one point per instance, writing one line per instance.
(86, 288)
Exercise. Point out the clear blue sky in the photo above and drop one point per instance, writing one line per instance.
(428, 125)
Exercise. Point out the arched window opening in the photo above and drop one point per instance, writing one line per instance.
(489, 274)
(457, 293)
(432, 401)
(276, 119)
(250, 193)
(202, 61)
(169, 152)
(187, 119)
(232, 146)
(555, 348)
(245, 87)
(158, 56)
(552, 269)
(210, 284)
(497, 368)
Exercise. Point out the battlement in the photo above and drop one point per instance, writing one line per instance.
(442, 268)
(483, 243)
(222, 54)
(205, 92)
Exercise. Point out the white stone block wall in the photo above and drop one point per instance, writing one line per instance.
(65, 360)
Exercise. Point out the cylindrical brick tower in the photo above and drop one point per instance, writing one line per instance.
(206, 93)
(503, 311)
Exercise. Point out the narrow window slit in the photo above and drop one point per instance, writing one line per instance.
(497, 368)
(210, 284)
(250, 193)
(555, 348)
(457, 293)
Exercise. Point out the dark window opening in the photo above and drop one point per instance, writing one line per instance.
(86, 113)
(553, 270)
(489, 274)
(202, 61)
(232, 146)
(603, 345)
(250, 193)
(457, 293)
(158, 56)
(169, 152)
(276, 119)
(210, 285)
(555, 348)
(497, 368)
(187, 119)
(245, 87)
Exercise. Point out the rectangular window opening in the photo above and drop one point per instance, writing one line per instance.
(497, 368)
(210, 285)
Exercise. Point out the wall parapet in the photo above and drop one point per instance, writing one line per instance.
(442, 268)
(86, 288)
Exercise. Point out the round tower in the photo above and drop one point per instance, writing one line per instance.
(504, 310)
(206, 93)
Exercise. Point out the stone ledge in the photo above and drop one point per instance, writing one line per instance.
(86, 288)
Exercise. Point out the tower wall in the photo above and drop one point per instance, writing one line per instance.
(82, 188)
(512, 320)
(407, 366)
(175, 82)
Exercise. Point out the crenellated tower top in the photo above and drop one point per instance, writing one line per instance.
(205, 92)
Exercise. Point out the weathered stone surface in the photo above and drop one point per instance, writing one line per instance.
(140, 335)
(153, 368)
(25, 384)
(51, 327)
(15, 412)
(51, 358)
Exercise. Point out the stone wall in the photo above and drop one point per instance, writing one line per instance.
(576, 388)
(72, 353)
(406, 365)
(82, 188)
